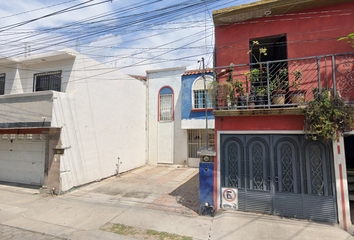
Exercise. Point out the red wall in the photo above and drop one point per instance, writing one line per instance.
(309, 34)
(261, 123)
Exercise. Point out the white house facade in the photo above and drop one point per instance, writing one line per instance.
(167, 141)
(176, 121)
(67, 120)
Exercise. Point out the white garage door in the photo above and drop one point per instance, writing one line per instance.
(22, 158)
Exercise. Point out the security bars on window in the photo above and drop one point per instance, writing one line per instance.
(2, 84)
(48, 81)
(199, 99)
(166, 107)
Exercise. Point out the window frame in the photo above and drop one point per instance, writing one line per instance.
(2, 84)
(172, 103)
(51, 82)
(196, 87)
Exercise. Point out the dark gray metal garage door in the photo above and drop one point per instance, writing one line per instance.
(285, 175)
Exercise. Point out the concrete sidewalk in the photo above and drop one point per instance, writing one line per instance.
(161, 199)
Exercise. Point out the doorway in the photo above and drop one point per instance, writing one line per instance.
(196, 140)
(349, 159)
(276, 50)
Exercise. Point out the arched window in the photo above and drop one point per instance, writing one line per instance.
(198, 100)
(166, 107)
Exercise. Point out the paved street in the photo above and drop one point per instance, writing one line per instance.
(160, 199)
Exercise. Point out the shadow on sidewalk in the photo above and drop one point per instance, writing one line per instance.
(35, 187)
(187, 194)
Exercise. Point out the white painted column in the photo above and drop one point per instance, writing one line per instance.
(217, 190)
(341, 181)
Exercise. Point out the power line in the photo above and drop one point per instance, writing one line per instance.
(37, 9)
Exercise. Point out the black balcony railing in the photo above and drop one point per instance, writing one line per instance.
(285, 83)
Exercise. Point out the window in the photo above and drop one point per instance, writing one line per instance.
(166, 104)
(47, 81)
(2, 83)
(198, 93)
(199, 99)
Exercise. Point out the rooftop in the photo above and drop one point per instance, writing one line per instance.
(138, 77)
(39, 58)
(197, 71)
(266, 8)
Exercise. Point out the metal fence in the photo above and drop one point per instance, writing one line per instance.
(197, 139)
(284, 83)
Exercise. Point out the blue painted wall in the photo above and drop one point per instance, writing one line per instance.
(186, 93)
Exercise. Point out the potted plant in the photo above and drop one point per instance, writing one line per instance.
(316, 93)
(241, 98)
(258, 75)
(257, 94)
(261, 95)
(232, 83)
(326, 115)
(297, 95)
(250, 97)
(221, 92)
(278, 86)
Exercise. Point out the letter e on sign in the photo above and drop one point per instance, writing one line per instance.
(229, 195)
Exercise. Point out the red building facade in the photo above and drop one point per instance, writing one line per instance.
(262, 152)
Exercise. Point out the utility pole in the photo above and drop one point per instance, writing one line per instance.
(206, 107)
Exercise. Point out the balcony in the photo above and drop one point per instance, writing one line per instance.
(284, 86)
(26, 110)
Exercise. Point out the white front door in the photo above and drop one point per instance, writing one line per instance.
(22, 158)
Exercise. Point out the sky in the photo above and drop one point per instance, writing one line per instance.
(132, 36)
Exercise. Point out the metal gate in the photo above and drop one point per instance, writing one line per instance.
(285, 175)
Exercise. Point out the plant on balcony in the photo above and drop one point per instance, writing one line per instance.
(278, 86)
(241, 98)
(262, 51)
(251, 96)
(221, 92)
(325, 115)
(257, 75)
(297, 79)
(316, 93)
(257, 94)
(297, 95)
(261, 93)
(349, 38)
(231, 81)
